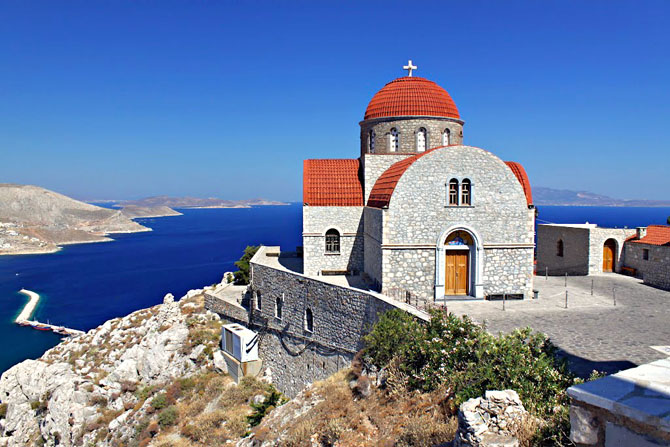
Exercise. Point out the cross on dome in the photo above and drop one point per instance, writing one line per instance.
(409, 67)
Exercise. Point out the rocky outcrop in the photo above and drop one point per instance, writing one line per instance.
(36, 220)
(88, 390)
(491, 421)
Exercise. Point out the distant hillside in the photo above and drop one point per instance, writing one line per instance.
(194, 202)
(134, 211)
(36, 220)
(549, 196)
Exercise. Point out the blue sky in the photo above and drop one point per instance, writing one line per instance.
(125, 99)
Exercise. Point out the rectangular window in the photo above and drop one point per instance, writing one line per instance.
(645, 254)
(332, 243)
(465, 193)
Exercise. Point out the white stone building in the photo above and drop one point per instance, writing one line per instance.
(418, 214)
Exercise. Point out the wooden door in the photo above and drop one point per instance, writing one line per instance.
(456, 272)
(609, 250)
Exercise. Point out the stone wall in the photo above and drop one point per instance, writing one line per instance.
(597, 242)
(407, 128)
(654, 271)
(627, 409)
(419, 217)
(348, 221)
(575, 259)
(373, 229)
(374, 165)
(341, 316)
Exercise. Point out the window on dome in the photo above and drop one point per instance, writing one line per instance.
(445, 137)
(278, 308)
(466, 192)
(453, 192)
(394, 140)
(371, 141)
(559, 248)
(332, 241)
(421, 140)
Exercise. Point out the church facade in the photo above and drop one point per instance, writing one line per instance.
(418, 213)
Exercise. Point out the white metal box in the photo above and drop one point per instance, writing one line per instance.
(239, 342)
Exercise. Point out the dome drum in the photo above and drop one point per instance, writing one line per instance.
(438, 132)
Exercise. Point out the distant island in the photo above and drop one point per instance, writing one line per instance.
(35, 220)
(565, 197)
(194, 202)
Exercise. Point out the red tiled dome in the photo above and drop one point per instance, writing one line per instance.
(411, 96)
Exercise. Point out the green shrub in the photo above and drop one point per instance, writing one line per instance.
(457, 353)
(159, 401)
(242, 275)
(144, 392)
(260, 410)
(168, 416)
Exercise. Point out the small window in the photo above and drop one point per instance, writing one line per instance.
(466, 192)
(258, 300)
(559, 248)
(421, 140)
(394, 140)
(371, 141)
(445, 137)
(453, 192)
(278, 306)
(309, 320)
(332, 241)
(645, 254)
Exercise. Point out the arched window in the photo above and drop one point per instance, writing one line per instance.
(332, 241)
(445, 137)
(394, 140)
(453, 192)
(258, 300)
(309, 320)
(371, 141)
(278, 305)
(466, 192)
(559, 248)
(421, 140)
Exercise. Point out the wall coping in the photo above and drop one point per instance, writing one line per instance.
(261, 259)
(641, 394)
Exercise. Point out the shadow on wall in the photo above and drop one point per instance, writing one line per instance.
(583, 367)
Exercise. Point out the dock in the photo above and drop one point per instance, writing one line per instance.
(24, 317)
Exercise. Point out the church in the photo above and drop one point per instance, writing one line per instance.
(418, 214)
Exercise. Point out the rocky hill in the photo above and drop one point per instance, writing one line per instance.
(195, 202)
(550, 196)
(36, 220)
(135, 211)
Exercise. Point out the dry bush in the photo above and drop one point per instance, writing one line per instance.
(425, 431)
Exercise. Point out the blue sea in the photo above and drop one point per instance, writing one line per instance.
(84, 285)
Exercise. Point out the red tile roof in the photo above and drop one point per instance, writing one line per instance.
(381, 193)
(411, 96)
(521, 175)
(332, 183)
(656, 235)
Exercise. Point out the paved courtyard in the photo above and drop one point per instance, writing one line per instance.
(592, 333)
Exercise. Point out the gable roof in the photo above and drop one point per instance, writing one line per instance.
(656, 235)
(521, 175)
(332, 182)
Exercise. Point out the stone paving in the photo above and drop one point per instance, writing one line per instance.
(592, 333)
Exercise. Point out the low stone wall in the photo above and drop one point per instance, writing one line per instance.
(628, 409)
(230, 310)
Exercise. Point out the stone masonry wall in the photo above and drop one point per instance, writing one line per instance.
(348, 220)
(374, 166)
(597, 242)
(575, 259)
(656, 270)
(419, 215)
(373, 223)
(407, 128)
(341, 315)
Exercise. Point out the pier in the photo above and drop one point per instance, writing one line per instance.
(24, 317)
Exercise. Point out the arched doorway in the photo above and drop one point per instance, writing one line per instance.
(609, 255)
(457, 263)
